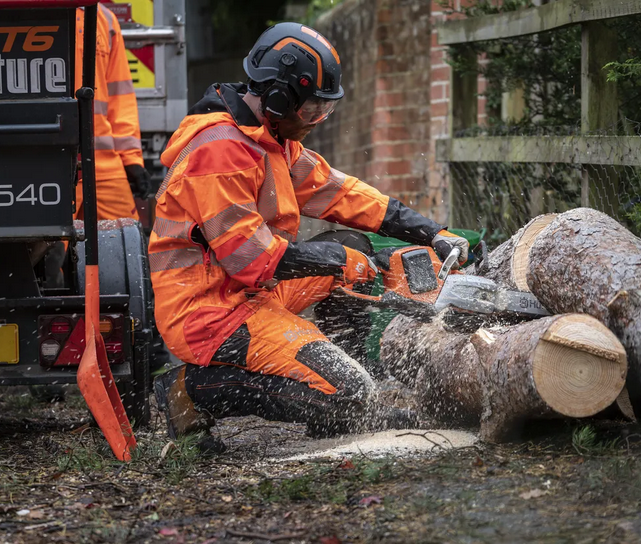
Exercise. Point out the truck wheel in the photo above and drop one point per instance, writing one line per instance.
(135, 393)
(124, 268)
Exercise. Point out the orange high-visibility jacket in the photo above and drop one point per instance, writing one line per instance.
(116, 126)
(235, 189)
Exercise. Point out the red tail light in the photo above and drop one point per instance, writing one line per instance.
(113, 347)
(60, 326)
(62, 339)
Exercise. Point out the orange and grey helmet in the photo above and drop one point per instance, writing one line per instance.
(293, 57)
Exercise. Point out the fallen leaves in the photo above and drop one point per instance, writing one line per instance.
(166, 449)
(173, 533)
(329, 540)
(265, 536)
(168, 531)
(533, 494)
(368, 501)
(36, 514)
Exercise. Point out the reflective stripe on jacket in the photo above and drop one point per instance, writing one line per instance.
(239, 192)
(116, 126)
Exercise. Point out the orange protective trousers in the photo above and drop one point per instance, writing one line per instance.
(275, 341)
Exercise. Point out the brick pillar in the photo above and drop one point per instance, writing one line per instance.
(396, 81)
(439, 108)
(380, 131)
(400, 138)
(439, 103)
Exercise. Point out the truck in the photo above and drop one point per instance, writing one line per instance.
(42, 322)
(154, 35)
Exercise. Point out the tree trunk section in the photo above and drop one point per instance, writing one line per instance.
(565, 365)
(506, 264)
(410, 347)
(582, 261)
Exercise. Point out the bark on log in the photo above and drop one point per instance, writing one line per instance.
(564, 365)
(408, 346)
(580, 261)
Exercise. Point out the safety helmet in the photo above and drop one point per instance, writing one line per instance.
(293, 68)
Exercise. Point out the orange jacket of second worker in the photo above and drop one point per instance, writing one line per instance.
(238, 192)
(116, 125)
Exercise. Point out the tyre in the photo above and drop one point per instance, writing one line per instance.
(135, 392)
(124, 268)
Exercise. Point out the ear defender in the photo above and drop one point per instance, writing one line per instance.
(278, 101)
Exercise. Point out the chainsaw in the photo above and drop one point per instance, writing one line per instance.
(419, 285)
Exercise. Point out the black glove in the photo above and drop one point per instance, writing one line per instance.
(408, 225)
(139, 180)
(444, 242)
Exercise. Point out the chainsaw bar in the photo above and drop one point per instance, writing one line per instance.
(484, 296)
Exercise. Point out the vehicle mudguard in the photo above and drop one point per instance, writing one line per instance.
(123, 265)
(124, 269)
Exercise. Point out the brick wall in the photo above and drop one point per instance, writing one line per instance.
(380, 130)
(396, 80)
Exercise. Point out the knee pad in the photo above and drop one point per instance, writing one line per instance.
(334, 365)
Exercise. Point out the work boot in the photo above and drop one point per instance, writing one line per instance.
(182, 416)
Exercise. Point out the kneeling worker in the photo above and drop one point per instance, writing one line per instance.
(229, 277)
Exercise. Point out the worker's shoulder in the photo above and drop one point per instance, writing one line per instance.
(104, 13)
(222, 148)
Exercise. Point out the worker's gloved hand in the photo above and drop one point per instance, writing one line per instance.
(444, 242)
(358, 268)
(139, 180)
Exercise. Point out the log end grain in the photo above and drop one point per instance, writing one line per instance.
(579, 366)
(521, 256)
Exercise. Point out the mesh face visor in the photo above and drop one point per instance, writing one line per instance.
(315, 110)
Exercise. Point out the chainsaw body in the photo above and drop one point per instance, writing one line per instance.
(419, 285)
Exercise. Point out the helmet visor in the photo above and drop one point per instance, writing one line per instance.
(315, 110)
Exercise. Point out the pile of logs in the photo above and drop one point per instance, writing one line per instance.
(585, 268)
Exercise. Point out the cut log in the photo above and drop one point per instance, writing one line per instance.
(565, 365)
(581, 261)
(508, 263)
(408, 347)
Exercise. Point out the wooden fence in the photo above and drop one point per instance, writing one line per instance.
(599, 106)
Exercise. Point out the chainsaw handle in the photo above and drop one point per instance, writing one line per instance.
(346, 291)
(448, 263)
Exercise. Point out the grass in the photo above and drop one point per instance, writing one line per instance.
(175, 460)
(334, 484)
(86, 458)
(585, 441)
(18, 403)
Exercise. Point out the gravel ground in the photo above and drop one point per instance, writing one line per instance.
(566, 482)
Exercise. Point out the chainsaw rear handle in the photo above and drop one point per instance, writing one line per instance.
(346, 290)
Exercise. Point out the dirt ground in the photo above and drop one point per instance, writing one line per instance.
(566, 482)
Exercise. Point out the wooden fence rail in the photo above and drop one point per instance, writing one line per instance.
(556, 14)
(594, 150)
